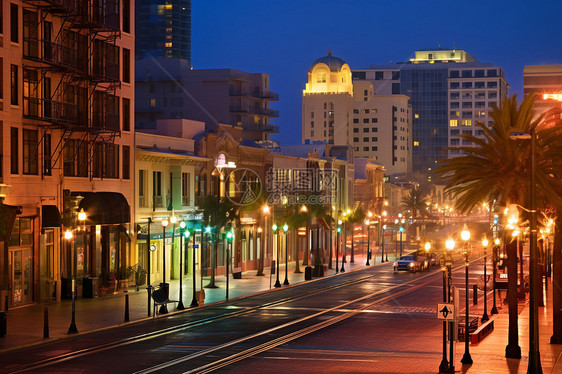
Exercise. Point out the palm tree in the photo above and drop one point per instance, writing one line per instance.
(416, 202)
(216, 214)
(496, 168)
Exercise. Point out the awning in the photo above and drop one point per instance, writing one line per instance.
(105, 208)
(322, 222)
(50, 216)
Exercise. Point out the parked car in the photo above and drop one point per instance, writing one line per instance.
(407, 263)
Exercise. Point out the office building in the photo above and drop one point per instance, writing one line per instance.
(546, 82)
(451, 93)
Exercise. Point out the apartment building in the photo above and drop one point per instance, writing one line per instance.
(66, 137)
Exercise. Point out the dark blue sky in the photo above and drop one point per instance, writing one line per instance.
(283, 37)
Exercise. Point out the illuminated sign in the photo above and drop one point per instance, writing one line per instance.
(557, 97)
(301, 231)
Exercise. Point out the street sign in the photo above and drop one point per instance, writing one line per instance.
(445, 311)
(196, 245)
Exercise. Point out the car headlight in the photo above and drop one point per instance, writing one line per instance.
(411, 264)
(395, 264)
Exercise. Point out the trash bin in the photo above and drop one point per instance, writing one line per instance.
(66, 288)
(87, 287)
(166, 288)
(308, 273)
(3, 323)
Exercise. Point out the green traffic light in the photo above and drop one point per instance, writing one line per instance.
(182, 224)
(274, 227)
(339, 229)
(207, 229)
(187, 233)
(401, 229)
(229, 235)
(285, 227)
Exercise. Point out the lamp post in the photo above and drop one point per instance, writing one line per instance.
(338, 231)
(485, 246)
(277, 282)
(72, 329)
(265, 211)
(494, 274)
(449, 245)
(427, 247)
(164, 285)
(383, 229)
(367, 223)
(344, 249)
(183, 233)
(149, 249)
(229, 237)
(466, 359)
(194, 302)
(286, 281)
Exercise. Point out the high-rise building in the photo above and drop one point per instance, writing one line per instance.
(451, 92)
(338, 111)
(546, 82)
(168, 89)
(66, 146)
(163, 29)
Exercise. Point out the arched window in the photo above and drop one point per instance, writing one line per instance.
(321, 77)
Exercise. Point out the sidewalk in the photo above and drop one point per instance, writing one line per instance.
(489, 354)
(25, 324)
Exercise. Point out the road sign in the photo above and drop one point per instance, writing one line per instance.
(446, 311)
(196, 245)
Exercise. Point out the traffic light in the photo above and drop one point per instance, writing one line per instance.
(339, 229)
(285, 227)
(208, 229)
(274, 227)
(182, 225)
(229, 236)
(401, 229)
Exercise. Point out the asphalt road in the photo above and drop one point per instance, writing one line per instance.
(367, 321)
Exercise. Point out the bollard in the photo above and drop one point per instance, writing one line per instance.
(474, 294)
(126, 307)
(46, 323)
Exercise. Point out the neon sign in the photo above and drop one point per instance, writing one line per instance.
(557, 97)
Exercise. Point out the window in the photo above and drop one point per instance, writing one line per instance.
(454, 96)
(480, 104)
(157, 188)
(355, 139)
(366, 149)
(30, 158)
(142, 188)
(356, 120)
(491, 104)
(365, 129)
(111, 161)
(454, 74)
(416, 143)
(454, 85)
(47, 154)
(478, 73)
(374, 139)
(455, 141)
(373, 111)
(466, 84)
(479, 84)
(126, 16)
(395, 88)
(14, 150)
(492, 73)
(312, 133)
(454, 105)
(454, 132)
(152, 103)
(365, 120)
(1, 74)
(466, 122)
(374, 129)
(152, 88)
(374, 120)
(126, 162)
(355, 111)
(321, 78)
(366, 139)
(454, 113)
(467, 73)
(374, 148)
(312, 124)
(75, 158)
(466, 96)
(355, 129)
(14, 84)
(453, 123)
(185, 189)
(492, 85)
(379, 75)
(14, 25)
(366, 111)
(126, 65)
(365, 92)
(467, 104)
(492, 95)
(467, 114)
(480, 114)
(126, 114)
(395, 75)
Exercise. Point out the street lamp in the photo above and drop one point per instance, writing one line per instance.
(494, 274)
(164, 285)
(286, 281)
(485, 246)
(338, 231)
(277, 282)
(367, 223)
(534, 353)
(186, 234)
(344, 249)
(447, 270)
(466, 359)
(72, 329)
(265, 211)
(229, 237)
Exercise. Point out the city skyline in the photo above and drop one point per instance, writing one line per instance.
(286, 53)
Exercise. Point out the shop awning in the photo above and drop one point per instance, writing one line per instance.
(50, 216)
(105, 208)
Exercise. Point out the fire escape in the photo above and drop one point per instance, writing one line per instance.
(70, 78)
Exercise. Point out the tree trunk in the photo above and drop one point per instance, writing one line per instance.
(512, 350)
(557, 283)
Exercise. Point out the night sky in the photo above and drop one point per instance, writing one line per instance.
(283, 37)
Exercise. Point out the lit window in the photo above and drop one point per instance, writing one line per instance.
(453, 123)
(416, 115)
(466, 122)
(416, 143)
(152, 103)
(168, 45)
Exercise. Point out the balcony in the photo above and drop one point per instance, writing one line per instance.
(237, 92)
(106, 121)
(105, 71)
(263, 128)
(239, 109)
(96, 14)
(268, 95)
(267, 112)
(56, 112)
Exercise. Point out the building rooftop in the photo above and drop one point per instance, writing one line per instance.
(334, 63)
